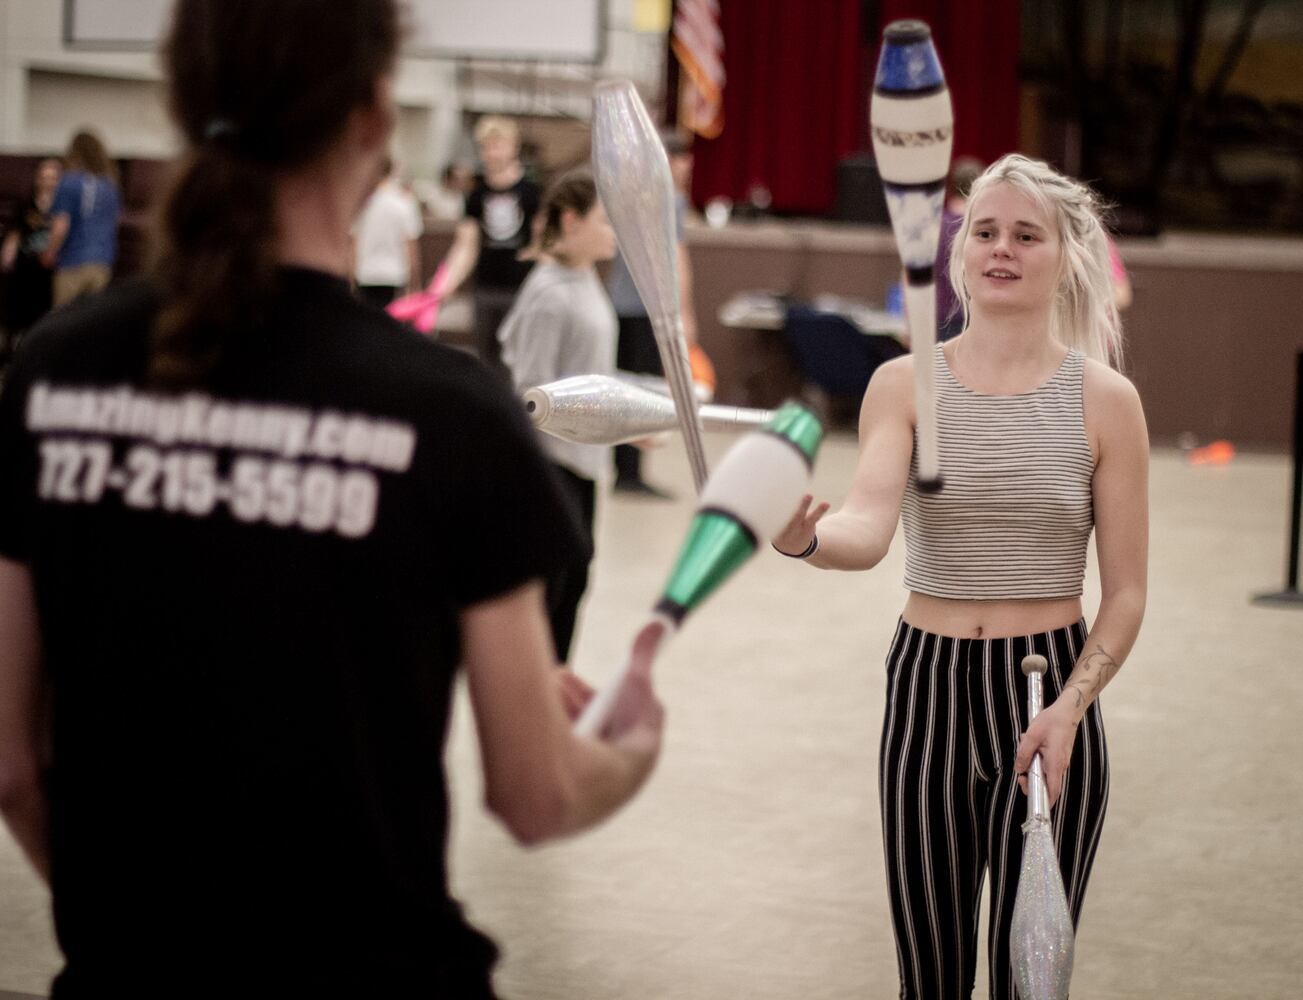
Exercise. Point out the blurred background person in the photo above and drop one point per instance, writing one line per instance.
(498, 226)
(636, 349)
(1122, 294)
(84, 221)
(563, 324)
(950, 314)
(386, 242)
(446, 200)
(28, 280)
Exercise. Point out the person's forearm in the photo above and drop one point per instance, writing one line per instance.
(460, 262)
(592, 780)
(58, 233)
(848, 542)
(606, 778)
(1106, 649)
(687, 302)
(24, 808)
(413, 265)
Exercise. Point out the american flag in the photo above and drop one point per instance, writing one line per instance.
(699, 46)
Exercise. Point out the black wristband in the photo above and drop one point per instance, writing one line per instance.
(810, 550)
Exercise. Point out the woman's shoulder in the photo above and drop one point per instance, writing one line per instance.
(1106, 383)
(1111, 403)
(894, 378)
(890, 394)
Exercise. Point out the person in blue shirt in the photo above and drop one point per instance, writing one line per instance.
(84, 221)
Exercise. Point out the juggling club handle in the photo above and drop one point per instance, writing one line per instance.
(667, 328)
(1038, 802)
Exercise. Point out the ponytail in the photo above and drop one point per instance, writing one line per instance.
(574, 191)
(216, 261)
(255, 100)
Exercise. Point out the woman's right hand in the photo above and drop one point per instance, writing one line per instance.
(796, 537)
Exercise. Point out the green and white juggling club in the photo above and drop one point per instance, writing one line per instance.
(748, 498)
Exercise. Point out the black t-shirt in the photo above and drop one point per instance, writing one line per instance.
(505, 217)
(27, 292)
(248, 602)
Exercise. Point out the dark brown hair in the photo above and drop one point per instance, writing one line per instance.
(258, 88)
(87, 154)
(573, 191)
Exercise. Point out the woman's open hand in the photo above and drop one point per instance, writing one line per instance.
(796, 537)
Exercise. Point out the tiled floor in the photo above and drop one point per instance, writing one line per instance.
(752, 866)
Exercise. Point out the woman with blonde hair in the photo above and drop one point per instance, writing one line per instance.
(1041, 442)
(489, 243)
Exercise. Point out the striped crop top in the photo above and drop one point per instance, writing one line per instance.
(1016, 512)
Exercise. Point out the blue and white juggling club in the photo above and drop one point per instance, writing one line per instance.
(912, 125)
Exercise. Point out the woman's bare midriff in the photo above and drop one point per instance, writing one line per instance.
(989, 619)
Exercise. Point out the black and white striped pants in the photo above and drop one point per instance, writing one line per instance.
(951, 806)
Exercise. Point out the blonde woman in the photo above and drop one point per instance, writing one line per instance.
(490, 242)
(1041, 441)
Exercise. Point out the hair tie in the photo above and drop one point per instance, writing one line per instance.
(810, 550)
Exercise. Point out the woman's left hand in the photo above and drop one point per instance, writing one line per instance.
(1051, 734)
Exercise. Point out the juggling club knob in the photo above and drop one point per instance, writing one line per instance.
(1034, 663)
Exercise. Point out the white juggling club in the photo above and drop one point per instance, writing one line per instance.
(751, 495)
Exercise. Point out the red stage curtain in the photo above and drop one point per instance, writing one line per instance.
(792, 103)
(794, 99)
(978, 42)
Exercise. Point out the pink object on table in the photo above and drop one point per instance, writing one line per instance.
(421, 309)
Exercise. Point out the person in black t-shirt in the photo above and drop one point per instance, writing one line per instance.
(28, 282)
(498, 226)
(248, 530)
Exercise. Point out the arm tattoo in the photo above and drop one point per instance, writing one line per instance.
(1092, 672)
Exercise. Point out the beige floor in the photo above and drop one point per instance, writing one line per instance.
(752, 865)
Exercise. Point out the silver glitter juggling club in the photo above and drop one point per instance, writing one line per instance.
(912, 125)
(603, 409)
(1041, 936)
(633, 179)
